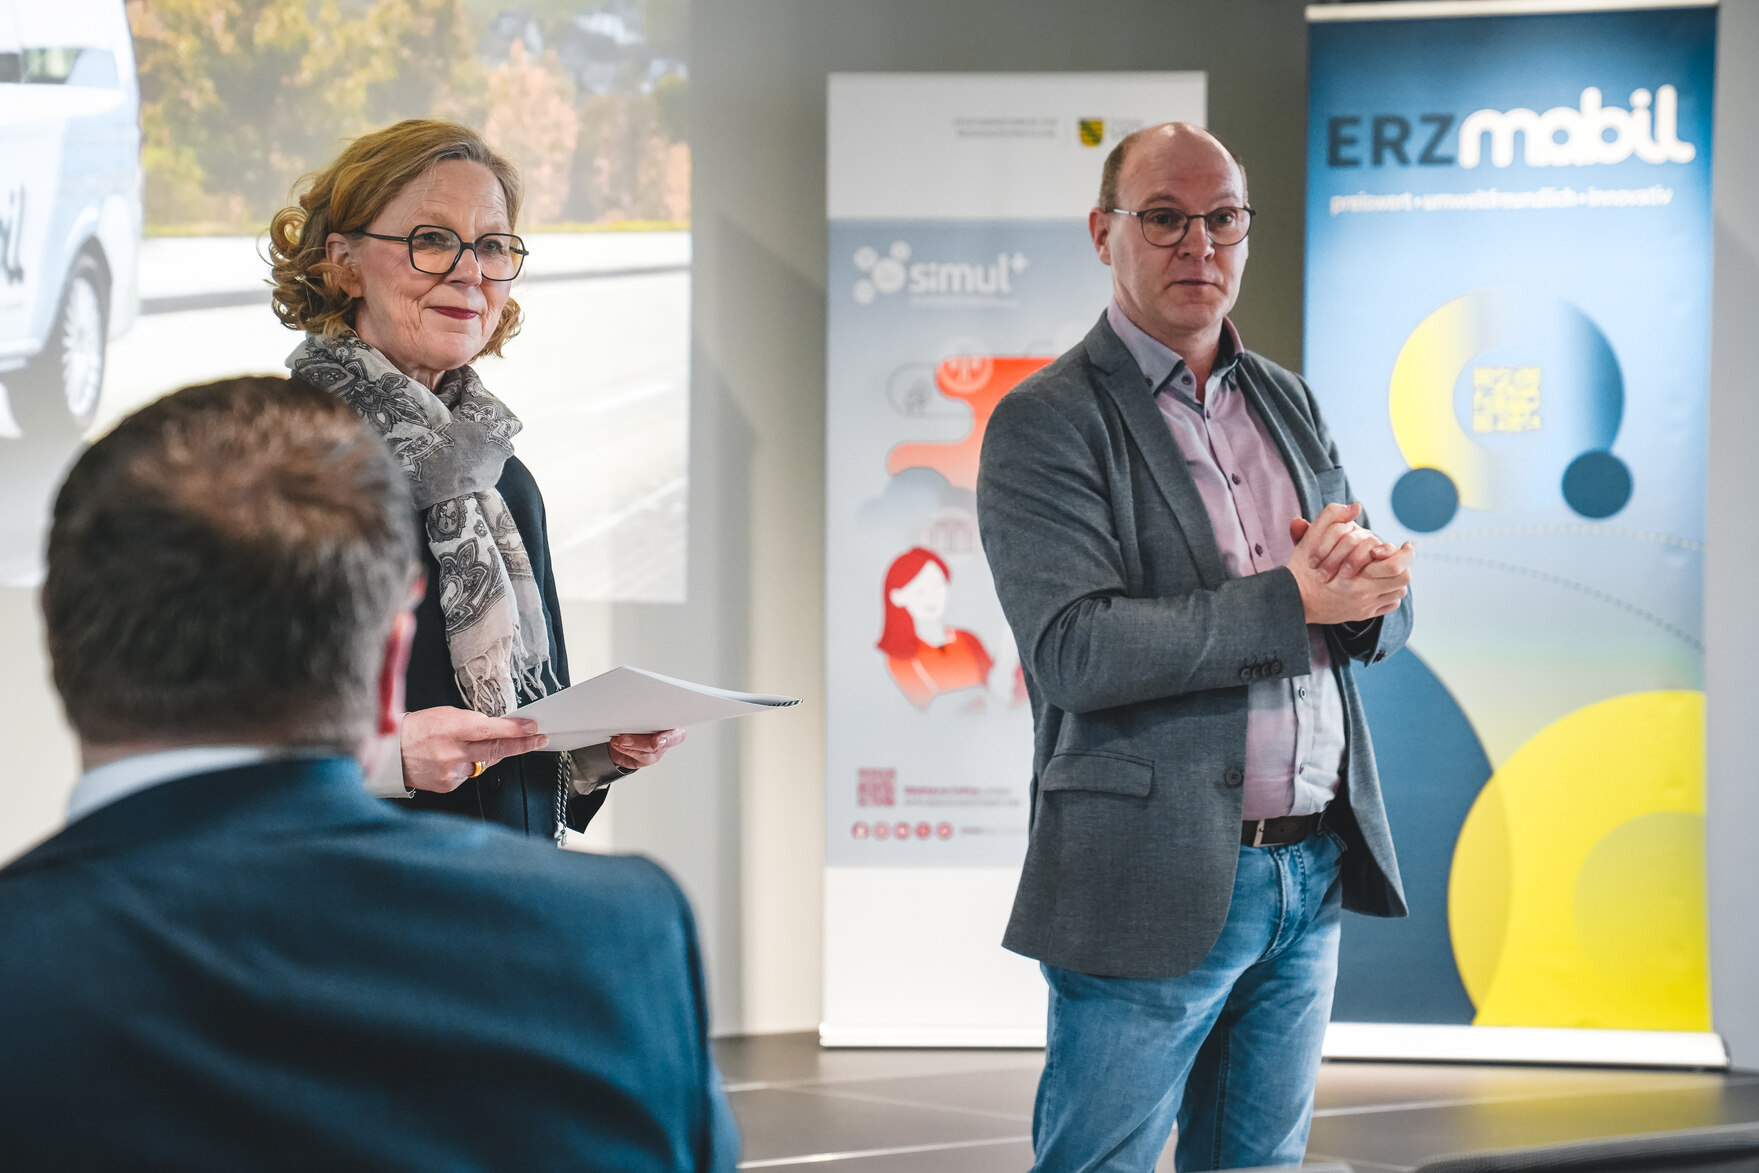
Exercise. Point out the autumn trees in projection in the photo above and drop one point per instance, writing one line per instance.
(239, 98)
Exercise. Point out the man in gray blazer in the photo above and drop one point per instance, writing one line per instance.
(1173, 541)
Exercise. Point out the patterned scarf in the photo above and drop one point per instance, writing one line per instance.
(452, 444)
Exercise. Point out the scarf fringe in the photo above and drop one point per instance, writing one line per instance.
(530, 683)
(486, 681)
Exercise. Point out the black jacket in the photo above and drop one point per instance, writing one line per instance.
(520, 792)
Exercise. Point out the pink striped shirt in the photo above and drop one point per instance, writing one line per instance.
(1295, 731)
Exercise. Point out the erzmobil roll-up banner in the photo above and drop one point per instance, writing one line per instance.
(959, 263)
(1508, 283)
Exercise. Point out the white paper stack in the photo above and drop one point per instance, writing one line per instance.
(634, 700)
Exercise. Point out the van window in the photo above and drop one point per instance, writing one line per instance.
(69, 66)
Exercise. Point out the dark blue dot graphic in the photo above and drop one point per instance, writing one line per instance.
(1597, 484)
(1425, 499)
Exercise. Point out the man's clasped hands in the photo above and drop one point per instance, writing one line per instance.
(1346, 573)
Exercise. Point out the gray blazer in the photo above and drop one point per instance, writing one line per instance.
(1137, 649)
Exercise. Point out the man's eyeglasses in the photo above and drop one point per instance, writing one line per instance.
(1165, 227)
(437, 251)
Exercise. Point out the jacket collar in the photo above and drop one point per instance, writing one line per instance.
(102, 785)
(1122, 380)
(1159, 362)
(1254, 382)
(275, 797)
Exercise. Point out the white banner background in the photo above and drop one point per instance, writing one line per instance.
(959, 261)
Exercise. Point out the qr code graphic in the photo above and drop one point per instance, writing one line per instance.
(1505, 399)
(876, 788)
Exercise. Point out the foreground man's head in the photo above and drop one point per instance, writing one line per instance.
(226, 566)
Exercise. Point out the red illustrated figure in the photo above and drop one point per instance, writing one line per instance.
(925, 656)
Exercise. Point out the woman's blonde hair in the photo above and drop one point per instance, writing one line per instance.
(347, 196)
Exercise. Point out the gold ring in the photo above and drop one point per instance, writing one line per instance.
(478, 768)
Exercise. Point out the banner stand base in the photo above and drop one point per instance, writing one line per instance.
(1525, 1044)
(930, 1037)
(1372, 1041)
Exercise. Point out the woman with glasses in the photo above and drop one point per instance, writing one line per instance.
(396, 263)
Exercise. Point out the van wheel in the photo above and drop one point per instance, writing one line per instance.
(58, 392)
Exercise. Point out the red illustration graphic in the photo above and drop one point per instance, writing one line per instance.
(944, 831)
(980, 381)
(902, 830)
(925, 656)
(858, 831)
(923, 830)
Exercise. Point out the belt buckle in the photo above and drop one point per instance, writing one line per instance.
(1258, 833)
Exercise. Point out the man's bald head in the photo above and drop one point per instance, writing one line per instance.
(1114, 162)
(1179, 291)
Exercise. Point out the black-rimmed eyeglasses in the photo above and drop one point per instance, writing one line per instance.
(436, 251)
(1165, 227)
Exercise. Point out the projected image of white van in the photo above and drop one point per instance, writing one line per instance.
(70, 208)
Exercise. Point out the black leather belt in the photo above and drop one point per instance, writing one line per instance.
(1278, 832)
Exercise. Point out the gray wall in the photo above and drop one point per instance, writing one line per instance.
(1730, 615)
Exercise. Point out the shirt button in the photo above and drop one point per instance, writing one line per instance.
(1301, 692)
(1258, 549)
(1236, 478)
(1233, 776)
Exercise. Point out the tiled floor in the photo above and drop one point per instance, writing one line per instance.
(971, 1111)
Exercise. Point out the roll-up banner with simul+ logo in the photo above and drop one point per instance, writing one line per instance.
(959, 263)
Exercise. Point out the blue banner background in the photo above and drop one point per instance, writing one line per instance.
(1561, 342)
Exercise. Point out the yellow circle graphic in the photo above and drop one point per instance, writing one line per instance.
(1421, 404)
(1576, 896)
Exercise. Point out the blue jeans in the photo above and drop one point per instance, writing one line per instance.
(1230, 1049)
